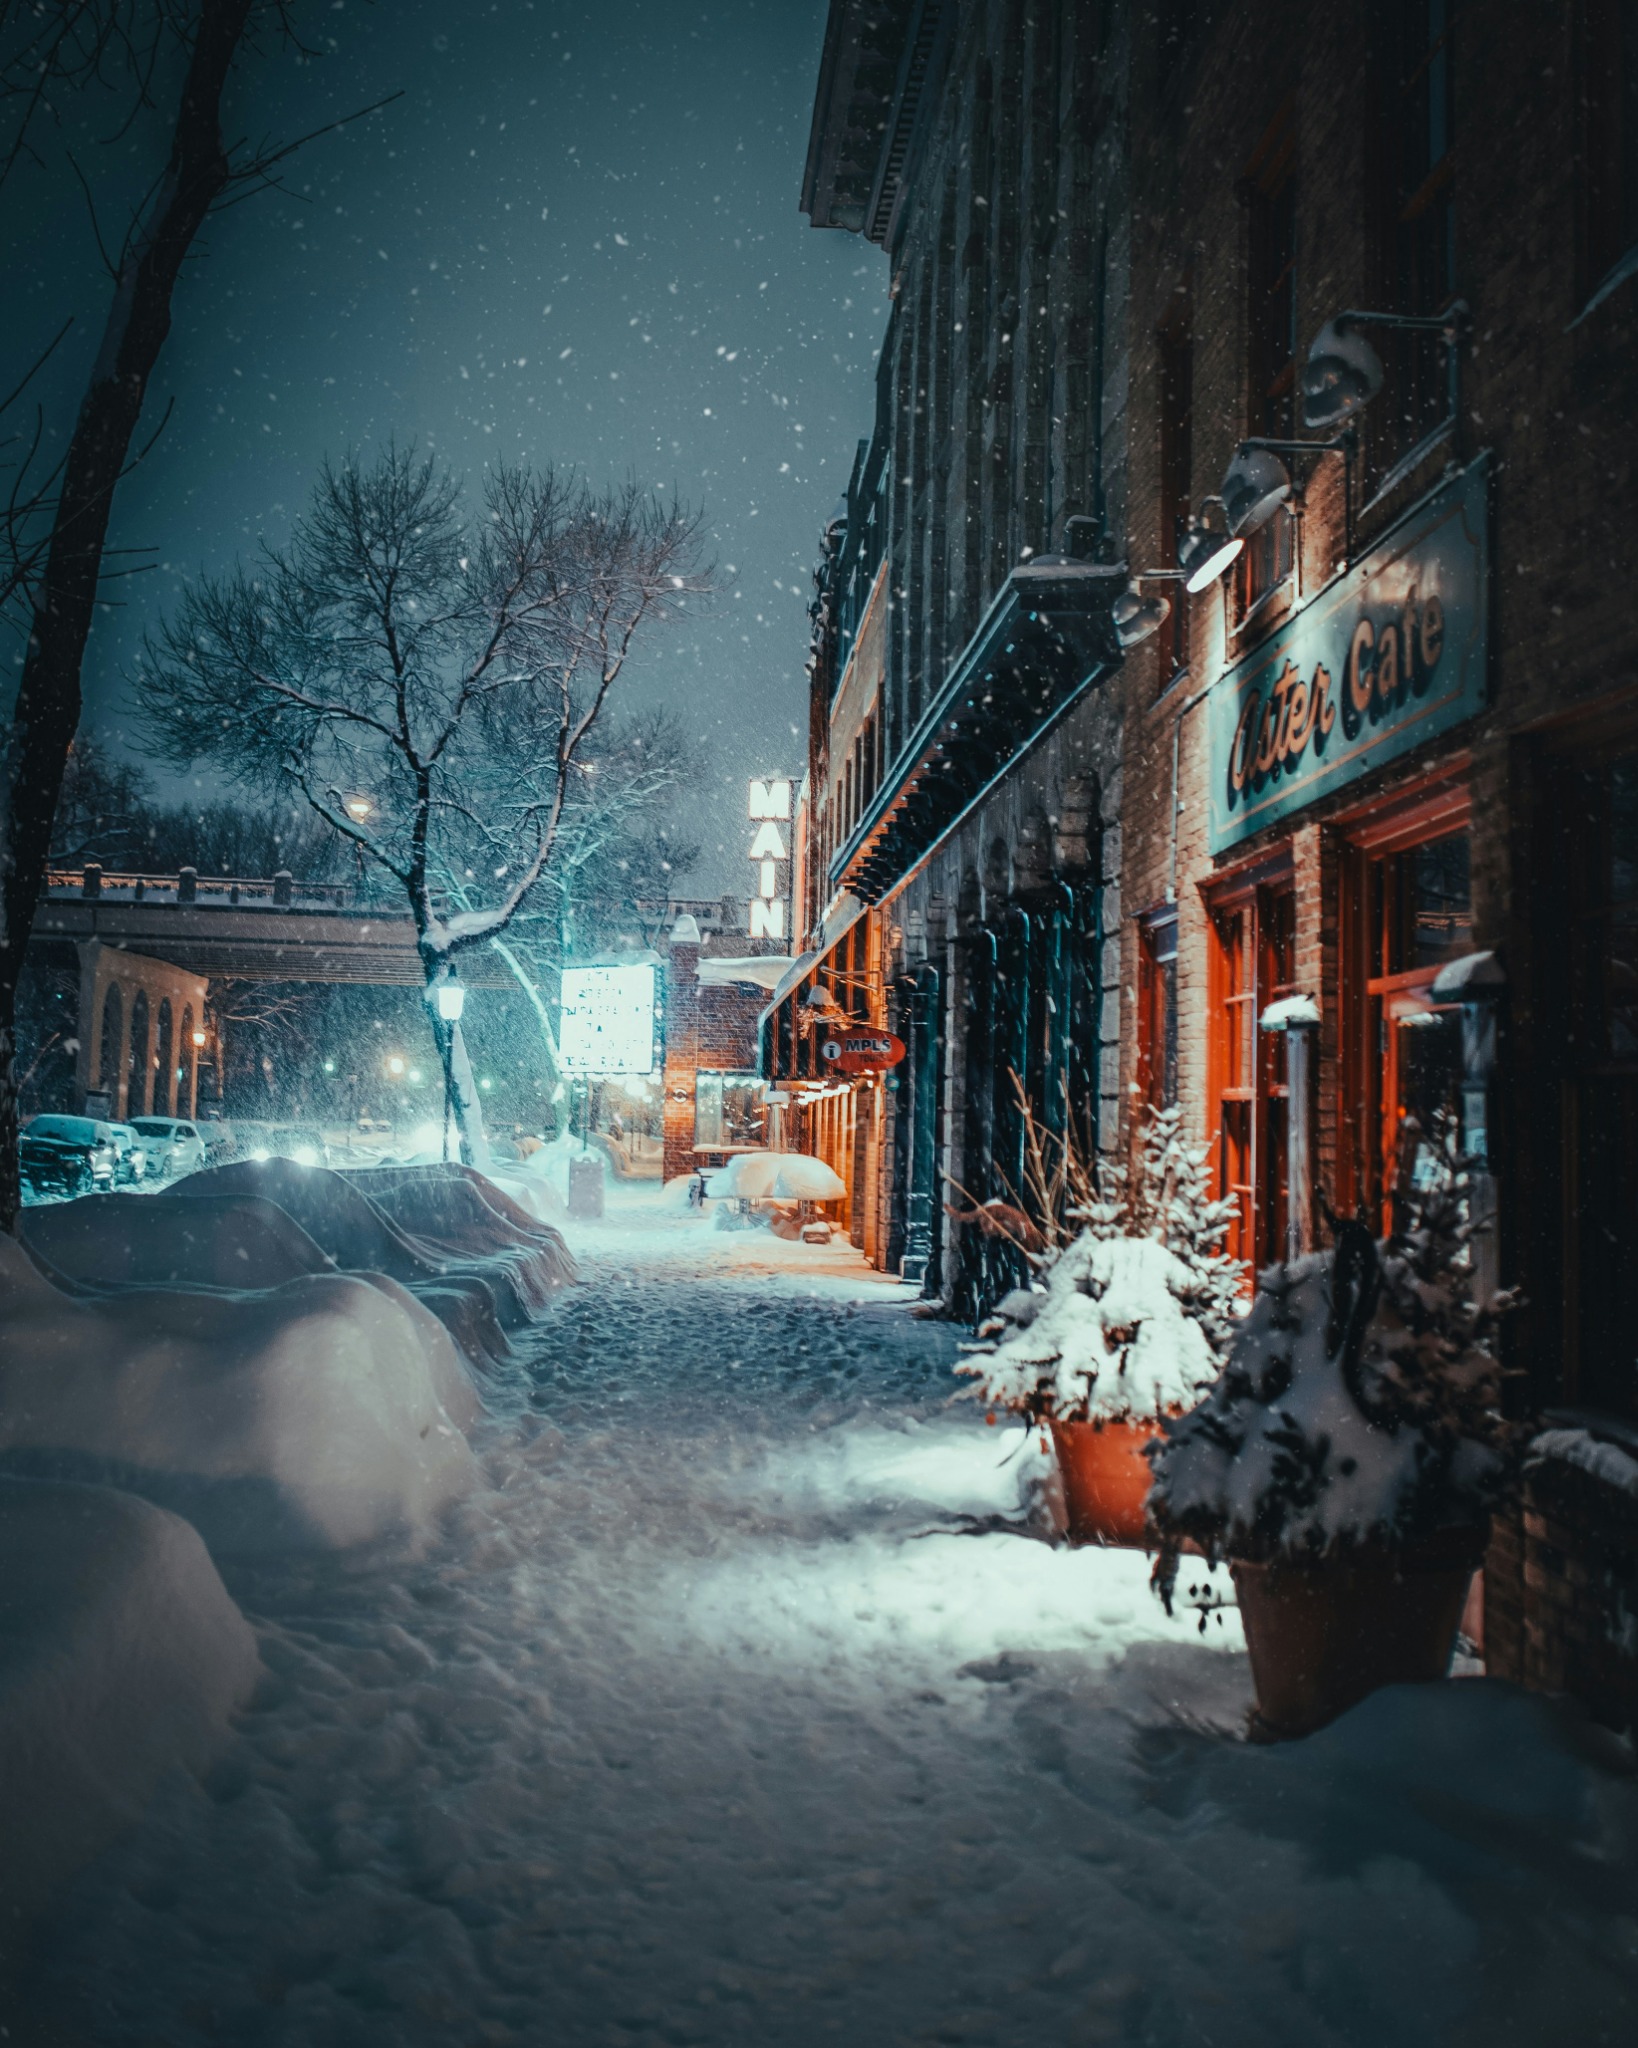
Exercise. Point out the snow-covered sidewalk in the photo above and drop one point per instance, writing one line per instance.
(726, 1711)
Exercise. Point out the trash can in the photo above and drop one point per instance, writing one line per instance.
(586, 1187)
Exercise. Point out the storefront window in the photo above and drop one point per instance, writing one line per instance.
(1157, 1010)
(1416, 914)
(1254, 953)
(728, 1111)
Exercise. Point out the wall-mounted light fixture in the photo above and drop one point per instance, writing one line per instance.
(1258, 482)
(1136, 617)
(1256, 485)
(1206, 550)
(1343, 372)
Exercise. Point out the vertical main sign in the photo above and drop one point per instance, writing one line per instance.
(770, 809)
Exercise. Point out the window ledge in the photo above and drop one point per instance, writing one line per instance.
(1627, 267)
(1266, 613)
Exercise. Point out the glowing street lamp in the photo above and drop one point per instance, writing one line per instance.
(360, 809)
(448, 999)
(395, 1066)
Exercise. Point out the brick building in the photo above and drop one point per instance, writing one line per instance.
(960, 813)
(1383, 759)
(713, 1094)
(1389, 759)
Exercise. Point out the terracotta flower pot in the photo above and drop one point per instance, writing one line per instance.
(1323, 1635)
(1106, 1480)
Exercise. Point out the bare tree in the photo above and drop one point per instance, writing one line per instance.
(429, 683)
(54, 528)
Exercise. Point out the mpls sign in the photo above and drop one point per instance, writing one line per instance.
(1390, 655)
(862, 1052)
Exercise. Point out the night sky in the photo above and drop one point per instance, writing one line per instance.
(575, 237)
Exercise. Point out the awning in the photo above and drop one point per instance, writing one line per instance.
(1046, 639)
(786, 1026)
(843, 916)
(761, 970)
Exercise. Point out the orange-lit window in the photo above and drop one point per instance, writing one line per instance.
(1157, 1009)
(1406, 910)
(1253, 965)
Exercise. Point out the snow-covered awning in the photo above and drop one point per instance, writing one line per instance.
(765, 970)
(1046, 639)
(843, 915)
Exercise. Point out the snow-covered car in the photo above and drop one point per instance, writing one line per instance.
(173, 1145)
(67, 1155)
(132, 1162)
(256, 1140)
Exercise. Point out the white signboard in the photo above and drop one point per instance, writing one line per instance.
(770, 806)
(606, 1025)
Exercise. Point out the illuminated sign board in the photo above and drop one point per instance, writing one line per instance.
(606, 1025)
(1386, 656)
(770, 809)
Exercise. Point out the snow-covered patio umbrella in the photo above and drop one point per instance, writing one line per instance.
(748, 1176)
(803, 1178)
(777, 1176)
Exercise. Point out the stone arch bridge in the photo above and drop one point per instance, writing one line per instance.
(148, 947)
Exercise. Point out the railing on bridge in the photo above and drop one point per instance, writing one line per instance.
(94, 884)
(91, 883)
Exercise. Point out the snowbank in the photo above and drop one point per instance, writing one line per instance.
(121, 1658)
(236, 1241)
(315, 1414)
(170, 1241)
(1588, 1453)
(372, 1221)
(1109, 1335)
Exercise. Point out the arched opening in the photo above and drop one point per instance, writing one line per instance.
(137, 1072)
(1032, 855)
(186, 1059)
(164, 1061)
(112, 1044)
(1076, 831)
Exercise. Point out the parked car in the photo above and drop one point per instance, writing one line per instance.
(67, 1155)
(134, 1152)
(245, 1139)
(174, 1145)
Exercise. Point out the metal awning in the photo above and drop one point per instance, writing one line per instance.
(802, 971)
(787, 1058)
(1046, 639)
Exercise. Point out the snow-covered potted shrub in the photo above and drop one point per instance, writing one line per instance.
(1347, 1460)
(1127, 1316)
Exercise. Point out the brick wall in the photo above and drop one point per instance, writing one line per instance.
(1561, 1594)
(713, 1028)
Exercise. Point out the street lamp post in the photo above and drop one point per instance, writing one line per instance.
(361, 809)
(449, 1000)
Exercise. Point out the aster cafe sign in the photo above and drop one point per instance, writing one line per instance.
(770, 808)
(1389, 655)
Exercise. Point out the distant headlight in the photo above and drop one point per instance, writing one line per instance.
(261, 1152)
(305, 1155)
